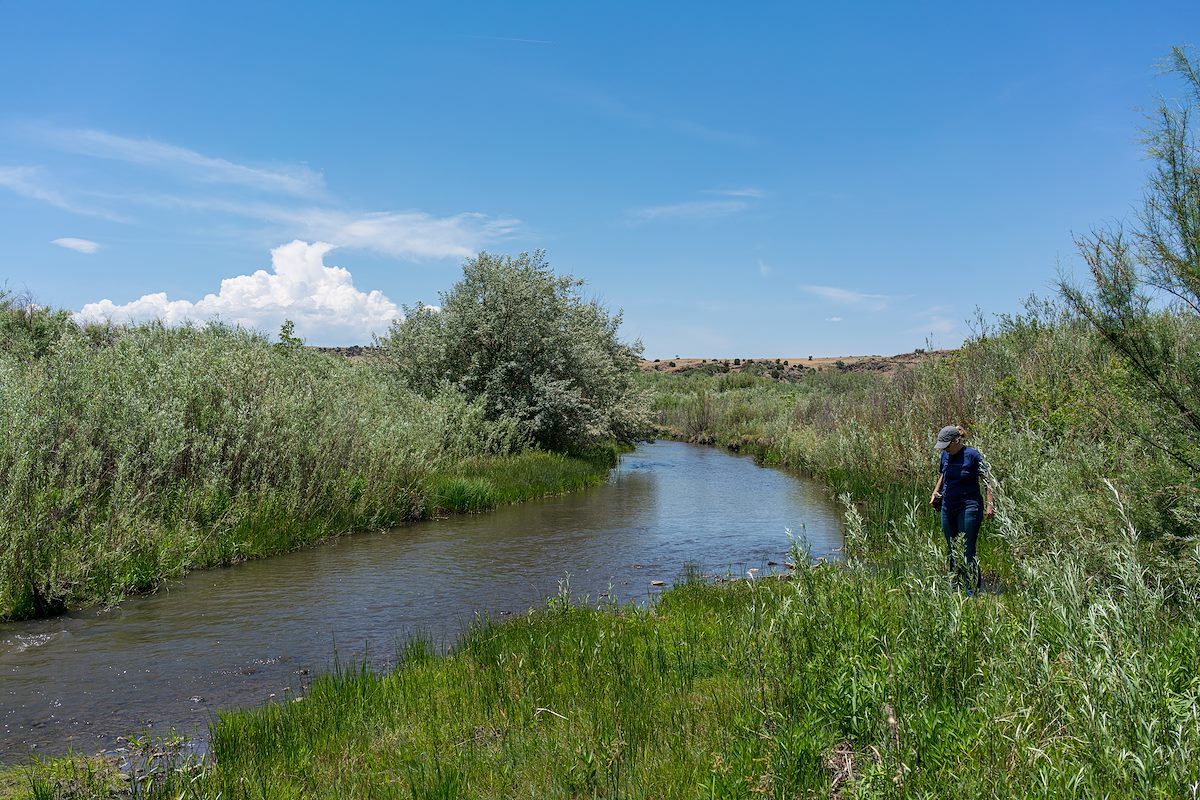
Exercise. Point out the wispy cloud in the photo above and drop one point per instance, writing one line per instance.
(833, 319)
(601, 103)
(290, 179)
(745, 191)
(403, 234)
(290, 203)
(322, 300)
(517, 39)
(735, 201)
(31, 183)
(764, 269)
(691, 209)
(849, 297)
(409, 234)
(933, 322)
(78, 245)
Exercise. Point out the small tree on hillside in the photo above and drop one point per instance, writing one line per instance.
(521, 339)
(1146, 298)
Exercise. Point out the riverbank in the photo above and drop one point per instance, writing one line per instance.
(1077, 678)
(838, 682)
(131, 456)
(234, 637)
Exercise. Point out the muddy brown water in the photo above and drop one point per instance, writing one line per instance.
(246, 634)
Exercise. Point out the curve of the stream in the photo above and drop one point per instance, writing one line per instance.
(244, 634)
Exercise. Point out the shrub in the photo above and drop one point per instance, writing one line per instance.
(522, 340)
(1146, 300)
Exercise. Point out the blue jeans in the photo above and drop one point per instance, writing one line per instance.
(964, 519)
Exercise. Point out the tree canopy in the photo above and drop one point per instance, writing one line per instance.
(522, 340)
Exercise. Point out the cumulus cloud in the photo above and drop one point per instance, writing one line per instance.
(322, 300)
(78, 245)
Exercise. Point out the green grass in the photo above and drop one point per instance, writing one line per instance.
(130, 456)
(1074, 677)
(843, 681)
(483, 483)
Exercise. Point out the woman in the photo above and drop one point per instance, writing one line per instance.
(957, 493)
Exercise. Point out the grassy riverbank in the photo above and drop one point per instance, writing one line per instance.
(1062, 423)
(840, 682)
(133, 455)
(1075, 675)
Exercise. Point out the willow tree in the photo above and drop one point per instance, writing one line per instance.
(523, 341)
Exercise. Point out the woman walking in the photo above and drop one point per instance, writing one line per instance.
(957, 494)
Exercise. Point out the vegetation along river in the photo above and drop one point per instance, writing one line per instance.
(257, 631)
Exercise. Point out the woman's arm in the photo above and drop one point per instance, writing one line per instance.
(937, 487)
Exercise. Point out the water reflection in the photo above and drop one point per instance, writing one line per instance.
(240, 635)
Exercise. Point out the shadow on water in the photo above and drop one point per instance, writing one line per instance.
(255, 632)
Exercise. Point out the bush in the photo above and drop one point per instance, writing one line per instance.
(131, 454)
(1146, 298)
(520, 339)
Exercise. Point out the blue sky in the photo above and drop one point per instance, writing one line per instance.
(759, 181)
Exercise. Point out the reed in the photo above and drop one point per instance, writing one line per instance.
(1072, 675)
(129, 456)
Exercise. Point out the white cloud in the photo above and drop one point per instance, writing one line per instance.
(406, 234)
(403, 234)
(412, 234)
(78, 245)
(290, 179)
(601, 103)
(764, 269)
(745, 191)
(322, 300)
(849, 297)
(511, 39)
(692, 209)
(737, 200)
(28, 182)
(835, 319)
(937, 324)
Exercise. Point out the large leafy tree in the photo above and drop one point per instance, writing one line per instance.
(524, 342)
(1145, 298)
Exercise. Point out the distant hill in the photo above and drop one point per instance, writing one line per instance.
(786, 368)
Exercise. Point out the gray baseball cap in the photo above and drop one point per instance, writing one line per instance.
(947, 436)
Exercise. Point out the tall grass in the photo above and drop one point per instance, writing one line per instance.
(841, 682)
(1073, 676)
(129, 455)
(1037, 394)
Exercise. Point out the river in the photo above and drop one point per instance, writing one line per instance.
(244, 634)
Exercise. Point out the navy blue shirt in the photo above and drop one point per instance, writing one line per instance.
(961, 473)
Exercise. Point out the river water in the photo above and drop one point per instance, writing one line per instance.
(242, 635)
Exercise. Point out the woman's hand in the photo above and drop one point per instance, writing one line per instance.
(933, 499)
(987, 510)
